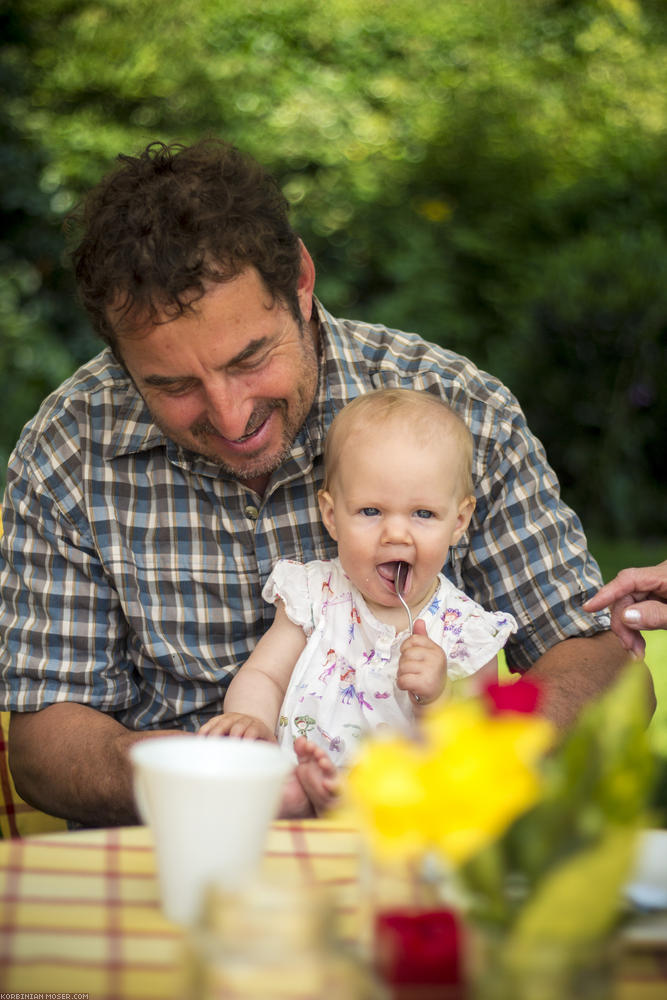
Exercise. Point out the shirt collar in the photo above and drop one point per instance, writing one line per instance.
(133, 428)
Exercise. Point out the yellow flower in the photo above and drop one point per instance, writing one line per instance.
(458, 789)
(387, 794)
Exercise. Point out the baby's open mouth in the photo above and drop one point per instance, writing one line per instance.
(389, 571)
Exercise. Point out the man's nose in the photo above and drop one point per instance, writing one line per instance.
(227, 411)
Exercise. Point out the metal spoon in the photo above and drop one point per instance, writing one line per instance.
(398, 587)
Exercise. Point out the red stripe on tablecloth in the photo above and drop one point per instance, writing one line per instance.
(300, 849)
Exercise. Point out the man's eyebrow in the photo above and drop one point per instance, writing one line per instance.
(251, 348)
(160, 380)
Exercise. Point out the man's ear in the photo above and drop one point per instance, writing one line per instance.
(326, 503)
(466, 508)
(306, 284)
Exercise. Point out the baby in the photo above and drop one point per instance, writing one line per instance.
(339, 659)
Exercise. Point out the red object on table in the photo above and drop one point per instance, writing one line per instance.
(419, 949)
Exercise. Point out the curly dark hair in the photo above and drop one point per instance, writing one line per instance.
(166, 222)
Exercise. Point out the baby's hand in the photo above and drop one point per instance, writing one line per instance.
(422, 667)
(245, 727)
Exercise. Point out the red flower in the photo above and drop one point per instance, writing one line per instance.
(522, 696)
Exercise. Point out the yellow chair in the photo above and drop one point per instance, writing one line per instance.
(17, 818)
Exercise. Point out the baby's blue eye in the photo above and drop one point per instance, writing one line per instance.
(424, 513)
(370, 511)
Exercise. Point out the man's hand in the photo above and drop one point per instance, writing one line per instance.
(422, 667)
(244, 727)
(637, 599)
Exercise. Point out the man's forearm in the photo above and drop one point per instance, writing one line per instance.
(576, 671)
(72, 761)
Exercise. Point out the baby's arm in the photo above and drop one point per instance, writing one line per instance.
(474, 684)
(422, 666)
(488, 674)
(254, 697)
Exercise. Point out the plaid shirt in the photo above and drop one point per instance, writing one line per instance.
(131, 570)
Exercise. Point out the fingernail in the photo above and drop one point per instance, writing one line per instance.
(631, 615)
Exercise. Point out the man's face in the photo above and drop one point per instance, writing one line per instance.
(233, 380)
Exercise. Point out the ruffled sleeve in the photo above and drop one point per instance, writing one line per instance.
(289, 582)
(469, 635)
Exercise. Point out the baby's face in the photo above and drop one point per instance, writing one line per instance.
(395, 500)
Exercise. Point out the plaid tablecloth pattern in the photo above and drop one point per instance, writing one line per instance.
(80, 914)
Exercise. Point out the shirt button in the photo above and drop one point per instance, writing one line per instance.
(251, 512)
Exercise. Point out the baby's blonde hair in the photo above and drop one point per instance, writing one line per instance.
(427, 413)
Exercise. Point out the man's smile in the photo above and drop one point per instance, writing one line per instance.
(254, 438)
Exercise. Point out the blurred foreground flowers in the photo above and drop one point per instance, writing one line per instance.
(536, 831)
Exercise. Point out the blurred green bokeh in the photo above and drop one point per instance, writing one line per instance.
(490, 175)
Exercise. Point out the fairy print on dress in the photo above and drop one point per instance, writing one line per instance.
(361, 698)
(304, 724)
(349, 695)
(329, 666)
(452, 621)
(434, 606)
(338, 665)
(344, 683)
(335, 744)
(355, 619)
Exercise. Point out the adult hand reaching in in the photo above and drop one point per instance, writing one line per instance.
(637, 599)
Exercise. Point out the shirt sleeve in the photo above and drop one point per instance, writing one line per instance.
(289, 582)
(525, 549)
(62, 631)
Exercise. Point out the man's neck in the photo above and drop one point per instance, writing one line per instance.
(257, 485)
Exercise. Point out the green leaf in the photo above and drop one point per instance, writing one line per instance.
(578, 902)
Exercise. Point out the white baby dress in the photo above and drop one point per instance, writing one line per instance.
(343, 683)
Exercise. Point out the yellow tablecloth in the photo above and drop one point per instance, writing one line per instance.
(79, 912)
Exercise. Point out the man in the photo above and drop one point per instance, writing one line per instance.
(153, 492)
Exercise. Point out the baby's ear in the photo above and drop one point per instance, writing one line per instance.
(326, 503)
(466, 508)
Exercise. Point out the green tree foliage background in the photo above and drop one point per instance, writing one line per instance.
(490, 175)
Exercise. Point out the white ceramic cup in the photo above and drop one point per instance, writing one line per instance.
(209, 802)
(648, 883)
